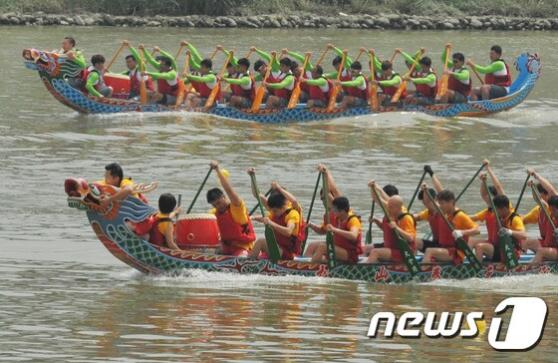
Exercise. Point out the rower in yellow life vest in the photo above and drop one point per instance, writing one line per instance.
(114, 175)
(235, 226)
(512, 223)
(158, 229)
(285, 218)
(447, 251)
(400, 221)
(535, 215)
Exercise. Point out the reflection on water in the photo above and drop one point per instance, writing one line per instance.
(64, 298)
(94, 314)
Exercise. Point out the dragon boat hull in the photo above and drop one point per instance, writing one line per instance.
(54, 70)
(111, 228)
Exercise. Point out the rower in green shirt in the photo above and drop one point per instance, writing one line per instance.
(203, 83)
(460, 84)
(423, 78)
(166, 76)
(356, 88)
(497, 80)
(95, 82)
(242, 85)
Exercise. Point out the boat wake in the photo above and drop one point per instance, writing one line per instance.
(539, 284)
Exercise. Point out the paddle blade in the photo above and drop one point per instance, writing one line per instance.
(443, 89)
(211, 99)
(293, 101)
(181, 93)
(506, 247)
(369, 235)
(399, 92)
(331, 260)
(374, 103)
(143, 92)
(272, 248)
(332, 98)
(408, 255)
(260, 92)
(462, 245)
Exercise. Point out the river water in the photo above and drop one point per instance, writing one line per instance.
(65, 298)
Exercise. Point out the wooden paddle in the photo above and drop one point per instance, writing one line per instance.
(322, 57)
(373, 90)
(403, 85)
(215, 91)
(143, 88)
(270, 239)
(460, 243)
(472, 67)
(213, 54)
(183, 43)
(260, 91)
(443, 87)
(470, 182)
(360, 51)
(369, 232)
(336, 87)
(178, 203)
(295, 95)
(310, 211)
(182, 90)
(522, 192)
(253, 210)
(402, 244)
(505, 242)
(417, 190)
(199, 191)
(114, 57)
(330, 245)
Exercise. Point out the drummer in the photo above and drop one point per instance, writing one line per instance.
(235, 226)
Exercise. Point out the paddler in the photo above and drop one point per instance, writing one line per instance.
(242, 85)
(345, 69)
(280, 86)
(166, 77)
(430, 213)
(318, 88)
(134, 72)
(548, 251)
(158, 229)
(459, 84)
(76, 56)
(235, 226)
(425, 81)
(497, 79)
(203, 83)
(356, 90)
(114, 175)
(446, 251)
(94, 78)
(401, 222)
(535, 216)
(326, 197)
(308, 74)
(389, 82)
(285, 220)
(512, 224)
(347, 234)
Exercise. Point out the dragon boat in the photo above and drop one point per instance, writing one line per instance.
(198, 235)
(55, 69)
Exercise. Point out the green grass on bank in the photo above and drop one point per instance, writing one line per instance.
(520, 8)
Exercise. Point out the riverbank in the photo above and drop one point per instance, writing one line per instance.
(347, 21)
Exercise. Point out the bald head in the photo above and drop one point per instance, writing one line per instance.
(395, 205)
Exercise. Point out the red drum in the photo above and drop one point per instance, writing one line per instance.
(120, 84)
(197, 231)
